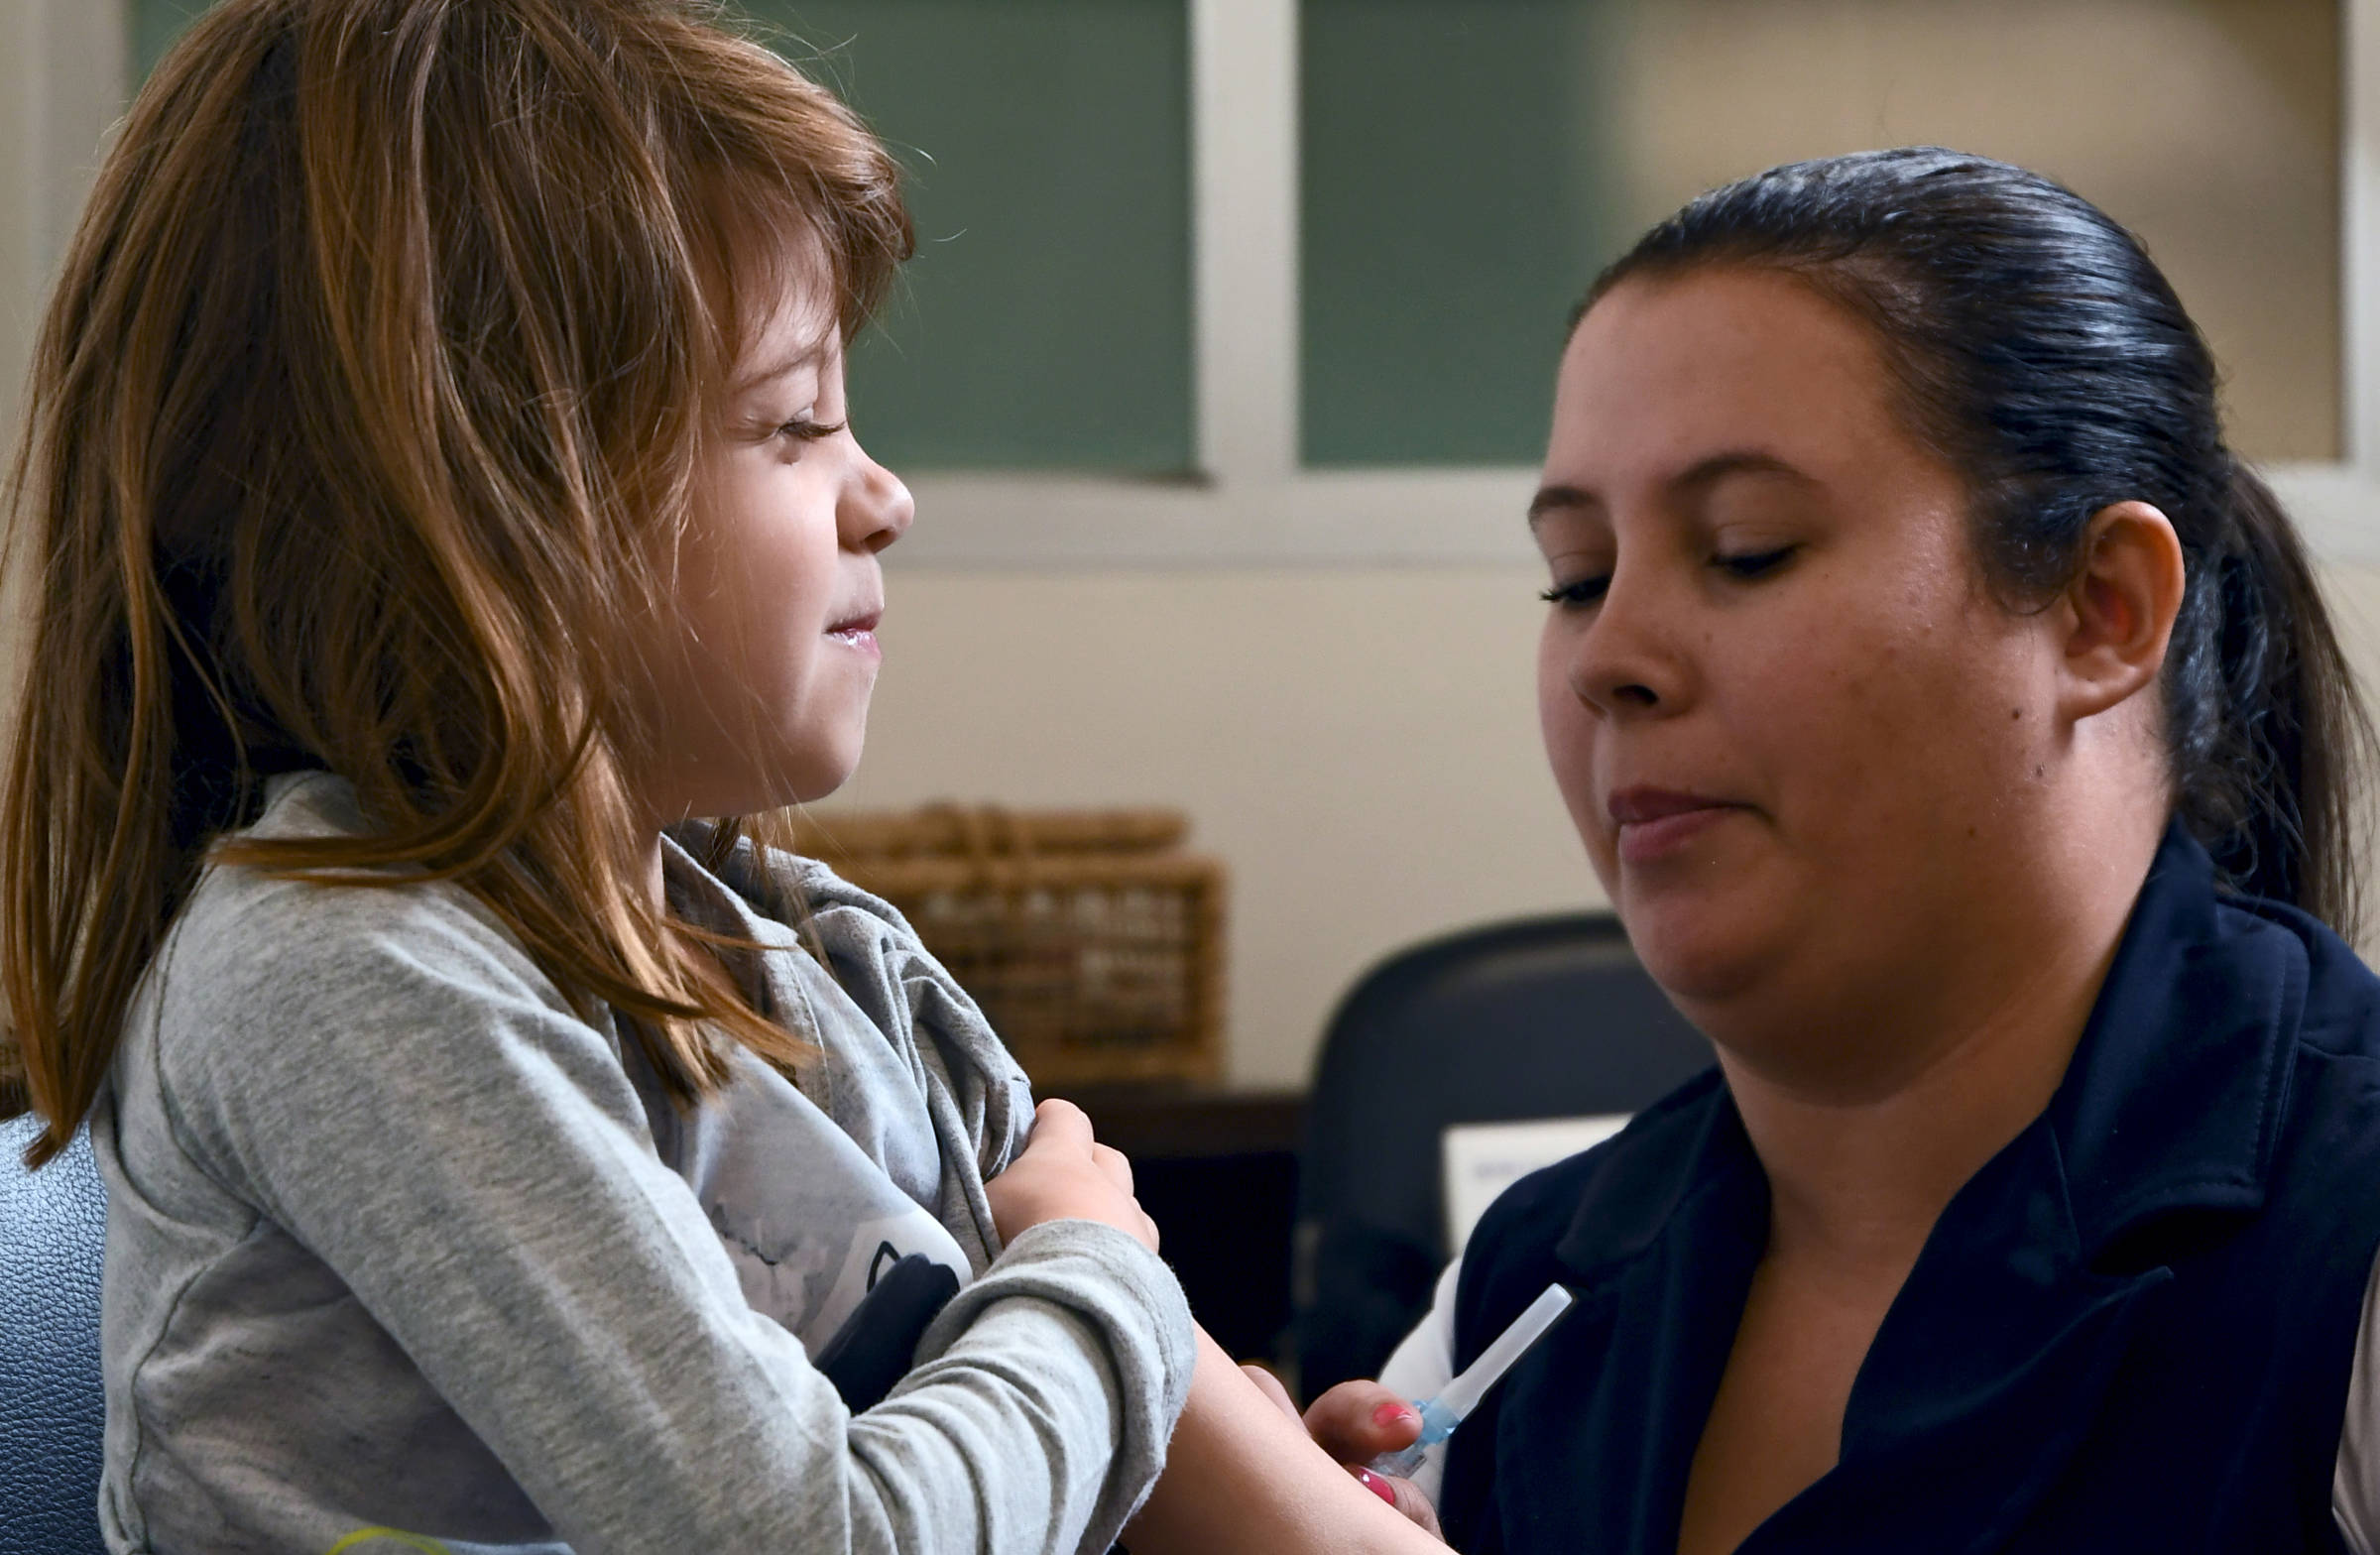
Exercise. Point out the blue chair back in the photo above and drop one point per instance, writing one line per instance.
(52, 1224)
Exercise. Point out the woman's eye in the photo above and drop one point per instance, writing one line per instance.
(1755, 563)
(1576, 595)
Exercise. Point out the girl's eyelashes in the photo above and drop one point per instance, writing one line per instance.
(801, 429)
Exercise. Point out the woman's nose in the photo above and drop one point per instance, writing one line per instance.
(1624, 661)
(877, 507)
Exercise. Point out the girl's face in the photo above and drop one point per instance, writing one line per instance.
(761, 699)
(1790, 721)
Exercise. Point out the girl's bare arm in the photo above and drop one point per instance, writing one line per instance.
(1242, 1475)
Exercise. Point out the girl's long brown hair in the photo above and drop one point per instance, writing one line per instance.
(379, 361)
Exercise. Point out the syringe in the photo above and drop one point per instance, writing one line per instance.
(1442, 1413)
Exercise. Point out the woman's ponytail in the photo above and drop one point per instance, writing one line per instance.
(2268, 735)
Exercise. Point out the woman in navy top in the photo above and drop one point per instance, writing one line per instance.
(1956, 725)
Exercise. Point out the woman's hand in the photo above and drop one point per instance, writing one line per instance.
(1354, 1423)
(1063, 1173)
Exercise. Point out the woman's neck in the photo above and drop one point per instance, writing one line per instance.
(1861, 1165)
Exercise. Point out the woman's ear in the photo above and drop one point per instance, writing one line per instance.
(2118, 612)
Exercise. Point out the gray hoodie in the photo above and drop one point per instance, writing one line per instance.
(401, 1249)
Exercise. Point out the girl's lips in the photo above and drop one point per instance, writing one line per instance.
(857, 632)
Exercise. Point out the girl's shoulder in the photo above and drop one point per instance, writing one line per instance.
(282, 1014)
(264, 978)
(258, 935)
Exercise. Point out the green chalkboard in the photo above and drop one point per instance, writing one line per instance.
(1046, 321)
(1457, 202)
(154, 25)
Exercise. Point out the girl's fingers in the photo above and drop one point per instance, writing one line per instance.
(1115, 1164)
(1061, 1125)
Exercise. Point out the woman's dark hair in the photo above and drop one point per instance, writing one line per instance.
(2039, 352)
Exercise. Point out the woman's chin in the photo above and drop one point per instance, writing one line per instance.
(1702, 948)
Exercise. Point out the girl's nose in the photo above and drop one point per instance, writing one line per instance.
(877, 507)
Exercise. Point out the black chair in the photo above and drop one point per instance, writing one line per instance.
(53, 1223)
(1543, 1018)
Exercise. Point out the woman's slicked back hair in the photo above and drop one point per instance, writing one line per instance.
(2040, 353)
(380, 358)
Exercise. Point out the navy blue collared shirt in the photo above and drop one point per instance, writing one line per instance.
(2131, 1330)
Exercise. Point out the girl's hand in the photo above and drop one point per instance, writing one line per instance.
(1354, 1423)
(1063, 1173)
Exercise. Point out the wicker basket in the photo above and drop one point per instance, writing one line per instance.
(1092, 942)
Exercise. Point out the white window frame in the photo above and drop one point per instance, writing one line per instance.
(2337, 503)
(63, 80)
(1251, 505)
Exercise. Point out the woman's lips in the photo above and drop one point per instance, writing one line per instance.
(1655, 822)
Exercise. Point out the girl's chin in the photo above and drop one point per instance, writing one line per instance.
(801, 773)
(820, 779)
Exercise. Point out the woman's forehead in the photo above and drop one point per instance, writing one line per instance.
(1664, 373)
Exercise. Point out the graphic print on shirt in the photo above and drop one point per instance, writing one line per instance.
(805, 1213)
(875, 1247)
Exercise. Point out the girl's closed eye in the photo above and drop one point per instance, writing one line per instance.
(802, 430)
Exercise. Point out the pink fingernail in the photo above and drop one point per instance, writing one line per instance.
(1391, 1413)
(1377, 1486)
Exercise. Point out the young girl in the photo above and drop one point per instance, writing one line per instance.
(441, 489)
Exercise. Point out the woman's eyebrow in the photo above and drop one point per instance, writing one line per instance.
(1692, 481)
(1560, 499)
(1737, 462)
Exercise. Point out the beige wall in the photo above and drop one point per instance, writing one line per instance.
(1360, 747)
(19, 173)
(61, 78)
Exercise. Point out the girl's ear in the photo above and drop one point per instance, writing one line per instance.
(2118, 612)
